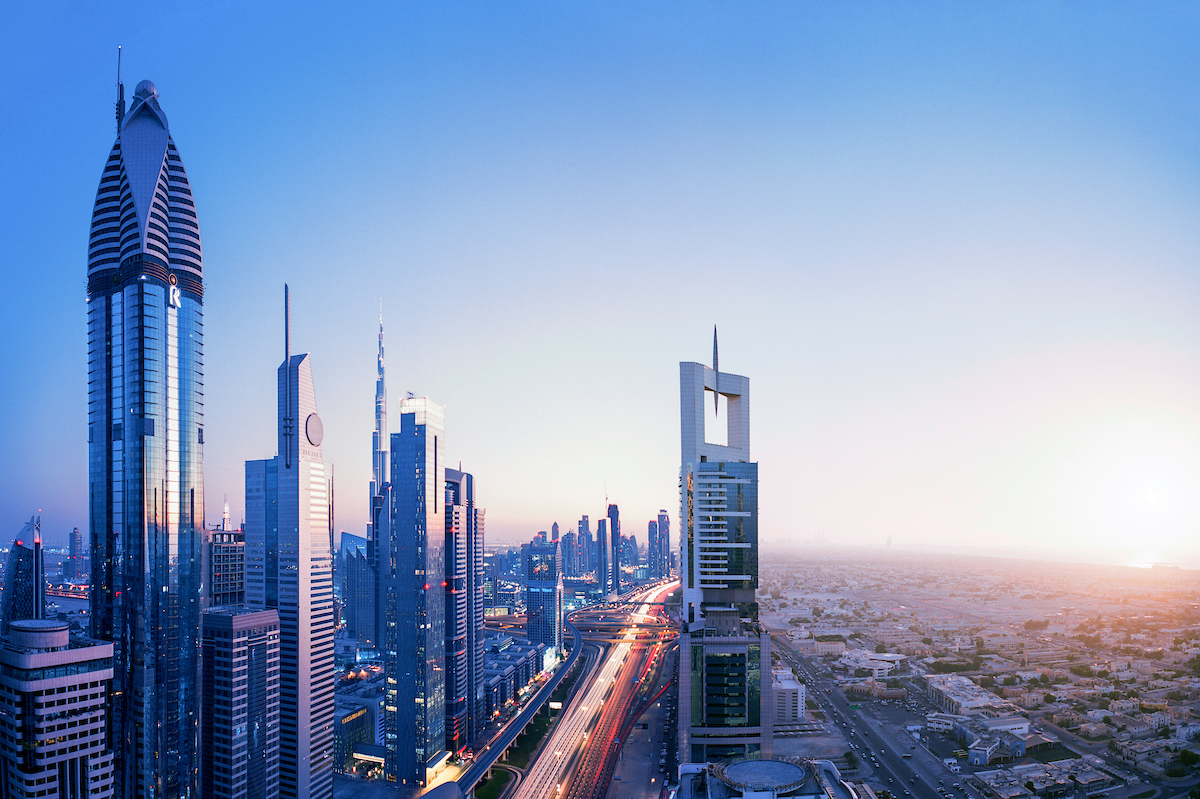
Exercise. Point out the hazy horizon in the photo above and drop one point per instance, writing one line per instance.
(953, 246)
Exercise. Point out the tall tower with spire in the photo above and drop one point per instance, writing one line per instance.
(145, 323)
(288, 569)
(725, 705)
(379, 459)
(371, 633)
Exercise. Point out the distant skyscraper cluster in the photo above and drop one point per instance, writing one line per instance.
(614, 560)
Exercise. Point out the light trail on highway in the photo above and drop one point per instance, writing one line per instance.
(600, 709)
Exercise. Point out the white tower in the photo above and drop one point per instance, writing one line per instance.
(288, 568)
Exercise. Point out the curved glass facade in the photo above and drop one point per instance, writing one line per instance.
(146, 452)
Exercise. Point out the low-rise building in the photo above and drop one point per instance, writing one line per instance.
(953, 693)
(789, 696)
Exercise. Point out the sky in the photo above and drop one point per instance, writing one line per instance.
(954, 246)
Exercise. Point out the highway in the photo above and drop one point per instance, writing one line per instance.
(599, 710)
(509, 732)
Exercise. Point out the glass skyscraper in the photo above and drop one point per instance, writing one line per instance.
(413, 568)
(544, 594)
(614, 536)
(24, 578)
(465, 702)
(145, 298)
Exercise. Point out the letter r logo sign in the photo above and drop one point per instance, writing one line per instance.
(175, 297)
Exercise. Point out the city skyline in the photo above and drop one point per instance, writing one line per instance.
(961, 244)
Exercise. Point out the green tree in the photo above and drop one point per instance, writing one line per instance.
(1189, 758)
(880, 649)
(851, 759)
(927, 641)
(1050, 699)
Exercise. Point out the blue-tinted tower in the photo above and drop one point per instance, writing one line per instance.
(614, 536)
(24, 578)
(145, 297)
(413, 567)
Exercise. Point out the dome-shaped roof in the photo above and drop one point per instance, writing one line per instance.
(146, 89)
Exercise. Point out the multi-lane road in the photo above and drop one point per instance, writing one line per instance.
(583, 743)
(509, 732)
(919, 775)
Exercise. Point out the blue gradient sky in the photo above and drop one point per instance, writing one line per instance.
(954, 246)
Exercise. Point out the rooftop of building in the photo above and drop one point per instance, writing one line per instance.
(763, 778)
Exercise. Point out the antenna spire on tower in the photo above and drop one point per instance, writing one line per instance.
(716, 375)
(287, 379)
(120, 92)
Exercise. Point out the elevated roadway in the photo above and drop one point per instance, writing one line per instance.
(485, 758)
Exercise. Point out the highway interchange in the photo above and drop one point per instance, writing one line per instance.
(604, 663)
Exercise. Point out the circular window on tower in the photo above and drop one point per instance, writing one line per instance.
(314, 429)
(172, 279)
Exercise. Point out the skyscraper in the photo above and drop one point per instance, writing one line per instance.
(725, 707)
(72, 567)
(570, 554)
(465, 701)
(664, 544)
(585, 544)
(544, 594)
(146, 449)
(603, 572)
(288, 569)
(239, 730)
(652, 550)
(35, 759)
(614, 535)
(24, 578)
(225, 553)
(414, 640)
(373, 631)
(358, 591)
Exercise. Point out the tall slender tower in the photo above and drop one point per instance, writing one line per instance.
(145, 298)
(288, 568)
(465, 701)
(414, 615)
(664, 543)
(614, 536)
(725, 706)
(371, 634)
(602, 569)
